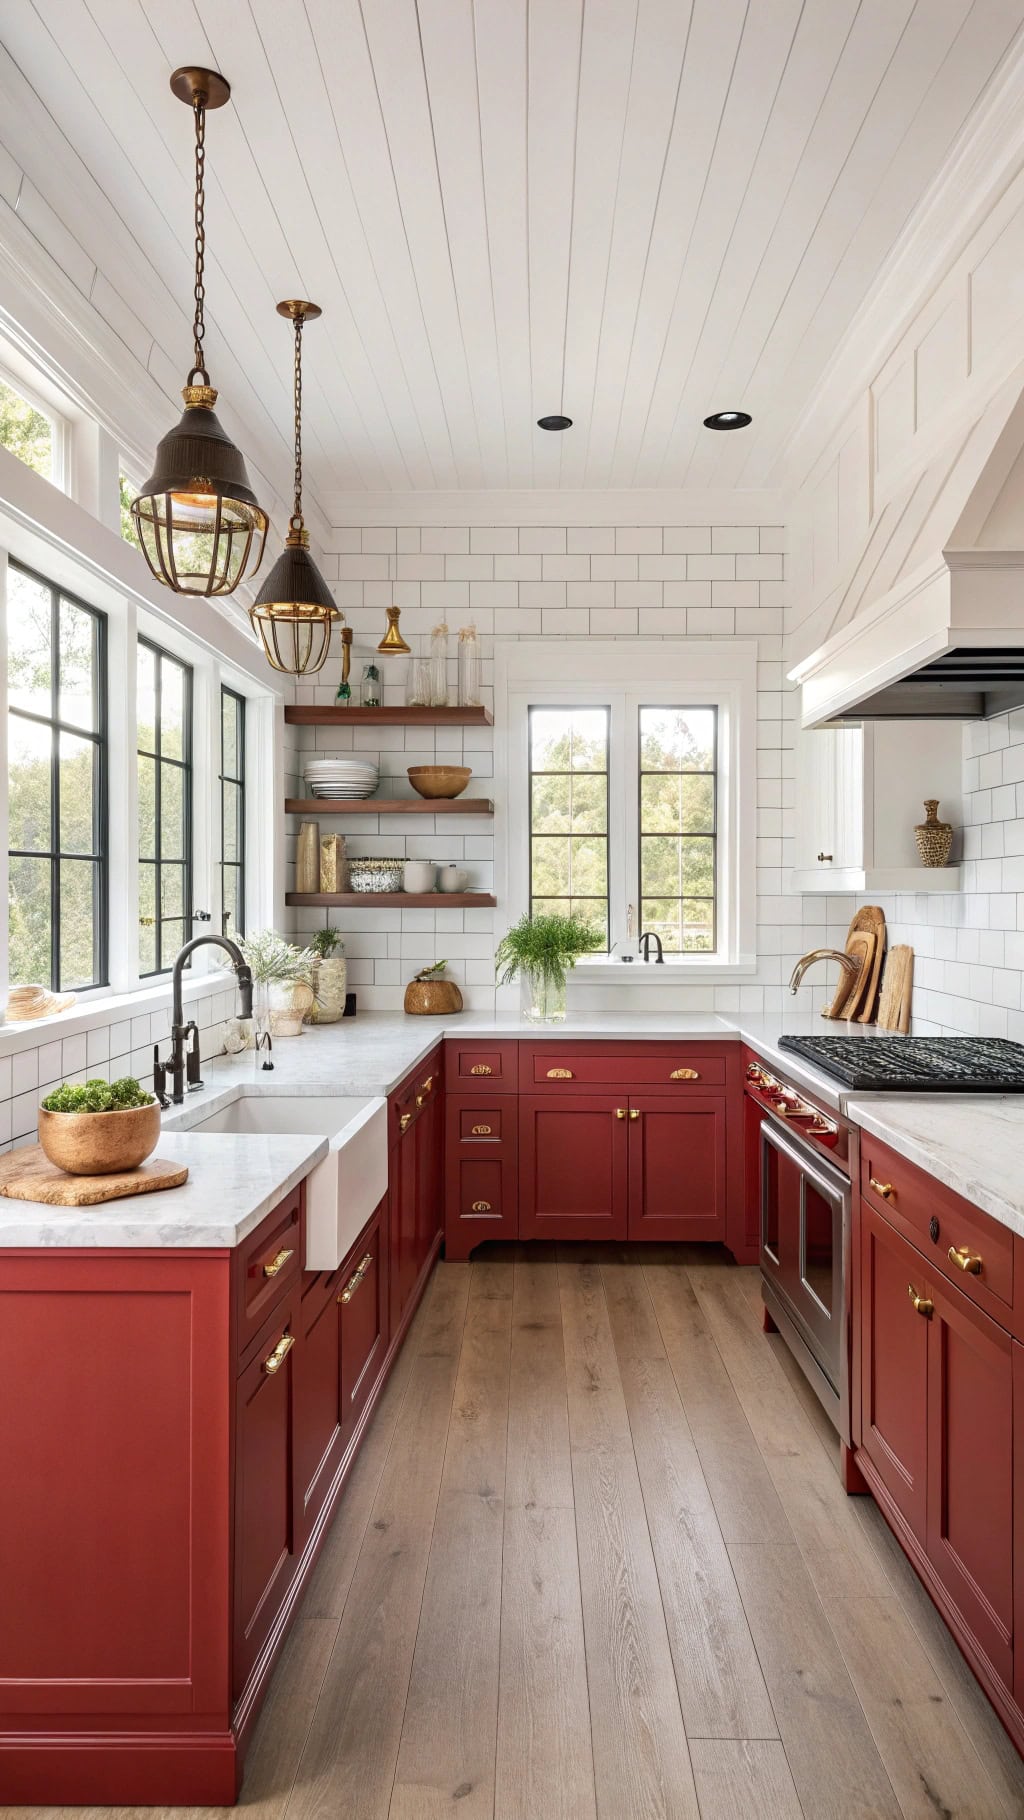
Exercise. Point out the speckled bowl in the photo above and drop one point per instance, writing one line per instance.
(100, 1143)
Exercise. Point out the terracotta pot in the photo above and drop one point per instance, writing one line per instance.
(432, 998)
(289, 1002)
(100, 1143)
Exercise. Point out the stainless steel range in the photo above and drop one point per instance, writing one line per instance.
(808, 1169)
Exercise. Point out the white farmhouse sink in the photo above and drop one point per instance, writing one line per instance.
(344, 1190)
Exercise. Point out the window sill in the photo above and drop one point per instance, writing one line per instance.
(677, 969)
(91, 1013)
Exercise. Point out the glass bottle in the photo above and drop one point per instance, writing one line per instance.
(417, 683)
(439, 666)
(469, 668)
(370, 688)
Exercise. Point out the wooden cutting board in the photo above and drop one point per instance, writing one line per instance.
(861, 944)
(897, 988)
(871, 917)
(28, 1175)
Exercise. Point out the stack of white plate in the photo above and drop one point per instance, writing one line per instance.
(341, 777)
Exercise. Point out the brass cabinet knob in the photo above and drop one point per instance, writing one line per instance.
(425, 1090)
(686, 1074)
(405, 1121)
(885, 1189)
(481, 1131)
(561, 1074)
(620, 1112)
(276, 1359)
(922, 1303)
(965, 1260)
(277, 1264)
(634, 1113)
(481, 1068)
(824, 859)
(481, 1206)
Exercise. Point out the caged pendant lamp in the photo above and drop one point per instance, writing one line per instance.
(198, 521)
(294, 611)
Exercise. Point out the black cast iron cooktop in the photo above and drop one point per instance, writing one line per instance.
(916, 1064)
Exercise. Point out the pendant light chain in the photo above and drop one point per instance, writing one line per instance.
(199, 325)
(297, 517)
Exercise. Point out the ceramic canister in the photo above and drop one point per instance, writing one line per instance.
(419, 875)
(452, 878)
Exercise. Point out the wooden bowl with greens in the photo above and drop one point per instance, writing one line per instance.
(99, 1127)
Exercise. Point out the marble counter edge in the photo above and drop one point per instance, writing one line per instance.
(953, 1163)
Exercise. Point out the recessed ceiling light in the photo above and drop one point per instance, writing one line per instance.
(727, 420)
(557, 422)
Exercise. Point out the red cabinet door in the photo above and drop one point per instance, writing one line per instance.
(429, 1140)
(970, 1468)
(266, 1498)
(573, 1166)
(363, 1307)
(894, 1365)
(402, 1192)
(1018, 1522)
(676, 1168)
(319, 1410)
(480, 1186)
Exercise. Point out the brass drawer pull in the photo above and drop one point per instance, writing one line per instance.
(634, 1113)
(922, 1303)
(965, 1260)
(685, 1074)
(561, 1074)
(620, 1112)
(274, 1361)
(481, 1068)
(481, 1206)
(885, 1189)
(278, 1263)
(424, 1090)
(405, 1121)
(481, 1131)
(355, 1279)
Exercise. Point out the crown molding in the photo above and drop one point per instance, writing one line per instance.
(554, 506)
(985, 160)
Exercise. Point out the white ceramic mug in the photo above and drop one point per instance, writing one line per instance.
(419, 875)
(452, 878)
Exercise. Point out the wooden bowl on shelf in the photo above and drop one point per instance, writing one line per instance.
(439, 782)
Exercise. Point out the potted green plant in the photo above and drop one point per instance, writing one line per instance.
(329, 977)
(540, 950)
(281, 976)
(99, 1127)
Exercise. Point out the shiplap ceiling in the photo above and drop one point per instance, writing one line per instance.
(635, 211)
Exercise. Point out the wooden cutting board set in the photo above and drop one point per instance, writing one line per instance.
(28, 1175)
(880, 991)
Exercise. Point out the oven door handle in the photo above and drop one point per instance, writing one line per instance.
(830, 1180)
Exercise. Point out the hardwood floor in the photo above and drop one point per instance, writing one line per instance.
(595, 1563)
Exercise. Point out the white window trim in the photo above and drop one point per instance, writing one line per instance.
(17, 374)
(716, 672)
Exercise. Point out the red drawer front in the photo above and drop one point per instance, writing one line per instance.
(269, 1263)
(549, 1065)
(481, 1176)
(485, 1122)
(938, 1221)
(481, 1067)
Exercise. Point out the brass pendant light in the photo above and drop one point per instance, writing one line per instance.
(198, 521)
(294, 611)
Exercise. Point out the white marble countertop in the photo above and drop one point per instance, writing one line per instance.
(972, 1142)
(233, 1182)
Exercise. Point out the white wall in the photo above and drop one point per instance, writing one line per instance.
(566, 583)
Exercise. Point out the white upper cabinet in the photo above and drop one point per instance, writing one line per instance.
(860, 792)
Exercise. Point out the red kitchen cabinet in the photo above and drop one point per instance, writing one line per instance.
(266, 1504)
(480, 1177)
(573, 1166)
(415, 1166)
(894, 1366)
(362, 1302)
(970, 1468)
(319, 1429)
(677, 1168)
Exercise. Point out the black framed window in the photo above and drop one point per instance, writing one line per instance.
(569, 813)
(57, 785)
(232, 811)
(164, 739)
(678, 827)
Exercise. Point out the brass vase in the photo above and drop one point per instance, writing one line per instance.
(934, 838)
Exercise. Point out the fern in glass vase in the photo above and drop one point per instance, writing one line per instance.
(539, 951)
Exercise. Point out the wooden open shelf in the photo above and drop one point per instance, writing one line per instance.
(375, 805)
(298, 715)
(391, 900)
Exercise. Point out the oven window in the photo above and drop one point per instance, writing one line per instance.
(818, 1224)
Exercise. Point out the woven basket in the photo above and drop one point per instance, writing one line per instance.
(934, 838)
(432, 998)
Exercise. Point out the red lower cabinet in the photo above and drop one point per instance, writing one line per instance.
(363, 1304)
(894, 1365)
(573, 1166)
(266, 1507)
(319, 1429)
(677, 1168)
(481, 1175)
(970, 1469)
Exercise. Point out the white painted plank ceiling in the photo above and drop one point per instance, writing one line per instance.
(633, 211)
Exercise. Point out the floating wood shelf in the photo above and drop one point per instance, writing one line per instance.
(391, 900)
(298, 715)
(376, 805)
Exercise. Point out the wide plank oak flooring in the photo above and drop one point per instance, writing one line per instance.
(595, 1563)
